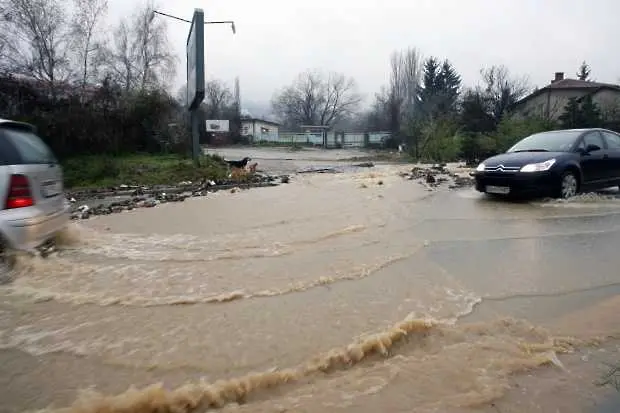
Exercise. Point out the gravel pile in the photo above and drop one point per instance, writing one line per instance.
(437, 175)
(105, 201)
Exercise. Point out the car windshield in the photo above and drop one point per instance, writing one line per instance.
(32, 149)
(557, 141)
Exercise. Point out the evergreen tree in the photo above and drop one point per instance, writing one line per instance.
(584, 71)
(590, 113)
(581, 113)
(449, 84)
(571, 117)
(475, 116)
(431, 80)
(440, 88)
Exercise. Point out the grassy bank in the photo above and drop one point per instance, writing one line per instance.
(383, 156)
(105, 171)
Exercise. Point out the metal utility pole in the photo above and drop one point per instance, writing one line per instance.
(195, 48)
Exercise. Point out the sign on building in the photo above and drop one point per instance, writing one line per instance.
(221, 125)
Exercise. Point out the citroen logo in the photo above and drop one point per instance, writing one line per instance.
(500, 168)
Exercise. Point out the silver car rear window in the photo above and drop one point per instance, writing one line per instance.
(31, 149)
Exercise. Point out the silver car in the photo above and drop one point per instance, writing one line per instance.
(33, 208)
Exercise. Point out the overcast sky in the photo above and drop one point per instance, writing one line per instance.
(277, 39)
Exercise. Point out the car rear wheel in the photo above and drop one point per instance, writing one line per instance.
(569, 185)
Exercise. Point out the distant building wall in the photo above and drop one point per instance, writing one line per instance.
(260, 130)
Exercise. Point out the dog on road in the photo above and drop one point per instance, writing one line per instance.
(239, 164)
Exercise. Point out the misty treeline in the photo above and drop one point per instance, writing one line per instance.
(94, 87)
(88, 86)
(426, 106)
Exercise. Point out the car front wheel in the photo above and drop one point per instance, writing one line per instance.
(569, 185)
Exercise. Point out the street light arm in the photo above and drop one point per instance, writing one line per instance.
(171, 16)
(232, 23)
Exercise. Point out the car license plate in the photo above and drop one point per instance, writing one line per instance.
(503, 190)
(51, 189)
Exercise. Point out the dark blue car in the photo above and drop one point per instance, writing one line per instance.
(558, 163)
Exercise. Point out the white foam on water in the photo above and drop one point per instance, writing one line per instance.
(469, 194)
(590, 200)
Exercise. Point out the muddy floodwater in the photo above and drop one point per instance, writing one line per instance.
(350, 292)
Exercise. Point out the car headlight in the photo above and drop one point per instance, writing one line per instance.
(480, 168)
(538, 167)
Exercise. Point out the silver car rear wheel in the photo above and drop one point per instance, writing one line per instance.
(569, 185)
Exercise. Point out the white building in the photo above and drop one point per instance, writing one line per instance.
(260, 130)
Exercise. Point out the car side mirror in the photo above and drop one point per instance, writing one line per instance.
(592, 148)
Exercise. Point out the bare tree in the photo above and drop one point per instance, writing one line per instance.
(405, 79)
(141, 56)
(38, 41)
(156, 63)
(181, 95)
(394, 97)
(395, 107)
(341, 98)
(5, 29)
(87, 42)
(121, 57)
(300, 102)
(502, 90)
(218, 98)
(317, 99)
(412, 68)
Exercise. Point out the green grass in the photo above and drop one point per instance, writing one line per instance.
(296, 146)
(382, 156)
(98, 171)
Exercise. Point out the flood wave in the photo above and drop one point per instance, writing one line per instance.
(497, 350)
(99, 296)
(192, 248)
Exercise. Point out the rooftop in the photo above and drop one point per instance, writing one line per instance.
(579, 84)
(560, 83)
(252, 119)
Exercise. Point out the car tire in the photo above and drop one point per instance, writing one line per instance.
(569, 185)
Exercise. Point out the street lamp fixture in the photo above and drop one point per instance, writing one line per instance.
(232, 23)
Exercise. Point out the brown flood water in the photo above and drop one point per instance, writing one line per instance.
(332, 293)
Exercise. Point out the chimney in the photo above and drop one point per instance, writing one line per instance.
(558, 76)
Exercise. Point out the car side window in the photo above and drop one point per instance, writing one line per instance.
(31, 148)
(613, 140)
(592, 138)
(8, 152)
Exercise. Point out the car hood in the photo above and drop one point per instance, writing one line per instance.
(519, 159)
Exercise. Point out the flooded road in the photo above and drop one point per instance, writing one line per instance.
(346, 292)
